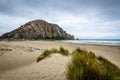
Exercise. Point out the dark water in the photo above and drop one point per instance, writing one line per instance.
(95, 41)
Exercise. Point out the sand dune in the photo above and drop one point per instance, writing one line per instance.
(18, 59)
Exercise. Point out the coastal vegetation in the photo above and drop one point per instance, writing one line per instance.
(63, 51)
(84, 65)
(47, 53)
(5, 49)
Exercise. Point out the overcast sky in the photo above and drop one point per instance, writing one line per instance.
(83, 18)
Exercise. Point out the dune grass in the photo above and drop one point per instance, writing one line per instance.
(113, 71)
(53, 50)
(5, 49)
(63, 51)
(47, 53)
(86, 66)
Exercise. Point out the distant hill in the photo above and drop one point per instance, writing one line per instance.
(37, 29)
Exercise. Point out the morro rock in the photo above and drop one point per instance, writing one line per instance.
(35, 30)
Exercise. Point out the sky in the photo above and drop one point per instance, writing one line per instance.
(85, 19)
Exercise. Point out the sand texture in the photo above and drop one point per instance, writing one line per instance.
(18, 59)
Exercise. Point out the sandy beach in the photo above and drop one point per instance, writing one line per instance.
(18, 59)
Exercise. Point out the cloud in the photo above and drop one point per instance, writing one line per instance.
(82, 18)
(8, 23)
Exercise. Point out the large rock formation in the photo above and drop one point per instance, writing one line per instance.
(37, 29)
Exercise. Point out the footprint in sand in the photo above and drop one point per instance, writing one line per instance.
(1, 54)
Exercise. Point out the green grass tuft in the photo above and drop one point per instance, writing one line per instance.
(78, 50)
(45, 54)
(5, 49)
(53, 50)
(86, 66)
(113, 72)
(63, 51)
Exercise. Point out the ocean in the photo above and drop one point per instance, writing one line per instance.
(115, 42)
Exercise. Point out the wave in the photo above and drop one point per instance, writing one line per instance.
(95, 41)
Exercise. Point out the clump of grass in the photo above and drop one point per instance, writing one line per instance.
(5, 49)
(36, 48)
(63, 51)
(86, 66)
(113, 71)
(45, 54)
(78, 50)
(82, 66)
(53, 50)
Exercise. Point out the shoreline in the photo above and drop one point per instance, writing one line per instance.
(91, 44)
(63, 42)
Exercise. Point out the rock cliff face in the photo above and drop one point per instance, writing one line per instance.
(37, 29)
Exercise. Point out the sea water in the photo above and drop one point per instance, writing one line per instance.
(115, 42)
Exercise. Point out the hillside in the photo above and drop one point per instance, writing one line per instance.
(35, 30)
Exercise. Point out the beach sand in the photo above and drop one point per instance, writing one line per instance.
(18, 59)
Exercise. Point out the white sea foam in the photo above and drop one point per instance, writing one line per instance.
(95, 41)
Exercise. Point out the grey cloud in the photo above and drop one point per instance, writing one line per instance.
(72, 15)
